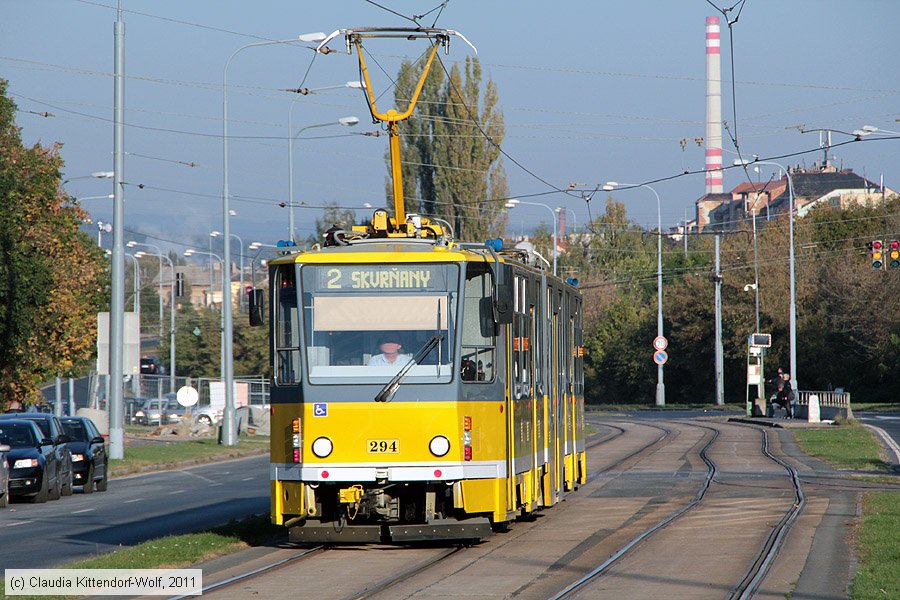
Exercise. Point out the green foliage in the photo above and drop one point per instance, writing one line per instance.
(51, 274)
(332, 215)
(844, 318)
(450, 169)
(200, 355)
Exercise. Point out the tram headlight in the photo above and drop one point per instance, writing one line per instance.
(322, 447)
(439, 445)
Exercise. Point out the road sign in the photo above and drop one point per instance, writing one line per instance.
(660, 357)
(187, 396)
(660, 343)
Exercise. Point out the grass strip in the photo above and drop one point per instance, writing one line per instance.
(878, 575)
(177, 551)
(171, 454)
(848, 446)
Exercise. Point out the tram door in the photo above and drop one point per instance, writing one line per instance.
(547, 396)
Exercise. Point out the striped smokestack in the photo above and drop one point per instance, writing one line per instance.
(714, 181)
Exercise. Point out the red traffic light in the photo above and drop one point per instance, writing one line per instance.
(894, 245)
(877, 254)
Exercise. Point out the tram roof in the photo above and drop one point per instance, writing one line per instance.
(390, 250)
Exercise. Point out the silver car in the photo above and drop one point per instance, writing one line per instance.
(159, 411)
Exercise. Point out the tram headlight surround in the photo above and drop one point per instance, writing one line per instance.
(322, 447)
(439, 445)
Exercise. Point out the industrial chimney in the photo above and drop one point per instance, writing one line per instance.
(714, 173)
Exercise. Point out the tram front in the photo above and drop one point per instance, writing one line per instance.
(369, 437)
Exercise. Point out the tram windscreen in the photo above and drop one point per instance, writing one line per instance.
(363, 323)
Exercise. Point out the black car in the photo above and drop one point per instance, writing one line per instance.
(4, 476)
(52, 429)
(33, 468)
(88, 450)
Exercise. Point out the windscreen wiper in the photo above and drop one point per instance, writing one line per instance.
(394, 384)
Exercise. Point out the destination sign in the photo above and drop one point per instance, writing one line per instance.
(381, 277)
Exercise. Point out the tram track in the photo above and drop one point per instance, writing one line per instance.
(754, 576)
(305, 553)
(577, 586)
(758, 571)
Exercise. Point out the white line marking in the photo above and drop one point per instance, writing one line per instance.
(176, 492)
(247, 478)
(130, 501)
(18, 523)
(216, 484)
(83, 510)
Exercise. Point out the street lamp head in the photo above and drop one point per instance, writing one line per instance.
(348, 121)
(188, 252)
(215, 233)
(103, 174)
(749, 286)
(513, 201)
(131, 244)
(869, 128)
(610, 185)
(139, 254)
(312, 38)
(510, 205)
(355, 85)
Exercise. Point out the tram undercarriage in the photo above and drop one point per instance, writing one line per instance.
(397, 512)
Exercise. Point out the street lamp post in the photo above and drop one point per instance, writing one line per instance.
(261, 248)
(241, 243)
(132, 244)
(511, 203)
(229, 435)
(190, 252)
(660, 385)
(291, 137)
(792, 323)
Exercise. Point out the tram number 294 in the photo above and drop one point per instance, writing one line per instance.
(383, 446)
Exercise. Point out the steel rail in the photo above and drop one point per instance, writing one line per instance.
(264, 569)
(621, 552)
(389, 582)
(754, 577)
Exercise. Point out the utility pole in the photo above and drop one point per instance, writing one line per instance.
(117, 305)
(720, 384)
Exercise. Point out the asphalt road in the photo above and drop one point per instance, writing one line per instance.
(133, 510)
(889, 423)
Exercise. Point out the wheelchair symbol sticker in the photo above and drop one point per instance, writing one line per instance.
(320, 409)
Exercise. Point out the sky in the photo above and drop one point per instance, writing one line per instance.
(591, 92)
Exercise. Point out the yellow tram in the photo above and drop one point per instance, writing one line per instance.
(423, 388)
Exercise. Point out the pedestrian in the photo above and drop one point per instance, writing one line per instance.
(15, 406)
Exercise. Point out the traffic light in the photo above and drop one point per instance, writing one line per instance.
(894, 254)
(877, 254)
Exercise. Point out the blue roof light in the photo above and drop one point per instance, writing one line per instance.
(496, 244)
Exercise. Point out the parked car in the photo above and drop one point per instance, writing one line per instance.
(151, 366)
(88, 448)
(34, 471)
(130, 407)
(150, 412)
(4, 476)
(208, 415)
(52, 430)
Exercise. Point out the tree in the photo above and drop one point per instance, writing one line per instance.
(332, 215)
(52, 279)
(452, 164)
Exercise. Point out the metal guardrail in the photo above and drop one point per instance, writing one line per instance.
(836, 400)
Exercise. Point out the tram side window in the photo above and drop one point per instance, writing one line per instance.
(287, 327)
(478, 342)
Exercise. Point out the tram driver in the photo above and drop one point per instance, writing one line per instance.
(390, 347)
